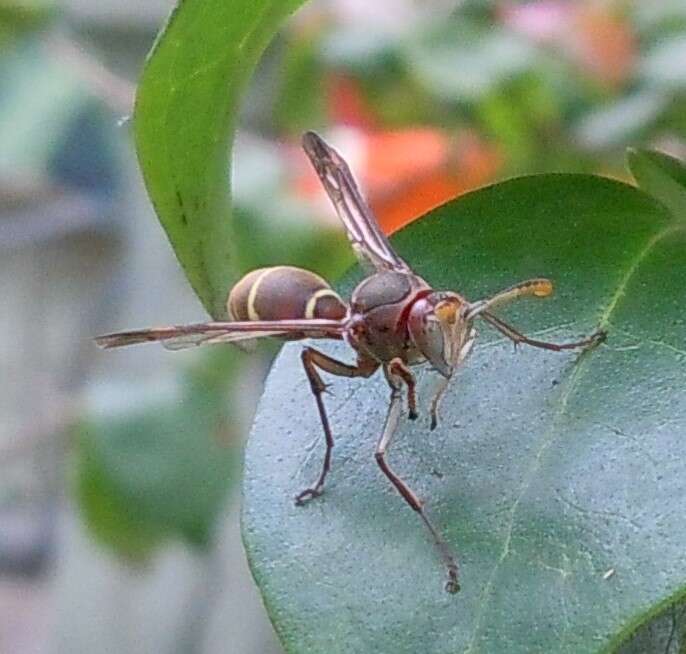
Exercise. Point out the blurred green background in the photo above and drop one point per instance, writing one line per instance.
(119, 473)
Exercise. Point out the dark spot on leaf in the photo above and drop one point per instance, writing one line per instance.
(179, 201)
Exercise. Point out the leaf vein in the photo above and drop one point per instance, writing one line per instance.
(549, 438)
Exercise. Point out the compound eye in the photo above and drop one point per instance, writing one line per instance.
(428, 335)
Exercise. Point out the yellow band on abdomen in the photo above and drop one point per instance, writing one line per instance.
(252, 295)
(312, 302)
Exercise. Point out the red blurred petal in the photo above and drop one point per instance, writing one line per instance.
(605, 44)
(347, 104)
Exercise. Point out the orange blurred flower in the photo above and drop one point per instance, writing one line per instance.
(593, 33)
(410, 173)
(346, 103)
(406, 173)
(605, 44)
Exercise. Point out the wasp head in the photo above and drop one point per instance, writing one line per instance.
(438, 327)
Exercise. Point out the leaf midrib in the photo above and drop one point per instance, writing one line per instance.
(549, 438)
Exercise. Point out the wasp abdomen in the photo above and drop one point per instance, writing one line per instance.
(284, 293)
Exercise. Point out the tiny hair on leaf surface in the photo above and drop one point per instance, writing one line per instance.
(545, 471)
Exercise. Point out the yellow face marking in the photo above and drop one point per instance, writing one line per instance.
(312, 302)
(252, 313)
(446, 311)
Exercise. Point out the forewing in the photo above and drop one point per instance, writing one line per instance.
(178, 337)
(368, 241)
(212, 338)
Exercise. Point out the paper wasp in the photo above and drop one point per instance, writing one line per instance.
(394, 320)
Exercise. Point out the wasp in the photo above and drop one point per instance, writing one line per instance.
(394, 321)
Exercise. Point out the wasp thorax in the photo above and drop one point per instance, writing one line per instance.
(379, 307)
(284, 293)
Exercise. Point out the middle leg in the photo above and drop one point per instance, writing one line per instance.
(394, 410)
(398, 368)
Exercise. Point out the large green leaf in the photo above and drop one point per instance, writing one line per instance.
(186, 106)
(547, 472)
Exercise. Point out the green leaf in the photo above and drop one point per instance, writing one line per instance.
(19, 18)
(300, 68)
(548, 470)
(662, 176)
(184, 121)
(666, 633)
(162, 468)
(106, 509)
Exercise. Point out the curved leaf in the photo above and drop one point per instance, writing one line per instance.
(547, 471)
(662, 176)
(184, 120)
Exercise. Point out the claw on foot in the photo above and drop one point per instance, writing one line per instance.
(594, 340)
(599, 337)
(452, 586)
(308, 494)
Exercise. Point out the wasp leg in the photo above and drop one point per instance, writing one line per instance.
(399, 368)
(531, 288)
(517, 337)
(313, 359)
(445, 381)
(436, 401)
(390, 426)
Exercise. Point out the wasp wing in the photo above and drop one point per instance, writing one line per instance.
(243, 340)
(182, 336)
(368, 241)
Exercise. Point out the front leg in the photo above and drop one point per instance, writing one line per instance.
(436, 401)
(445, 381)
(313, 359)
(517, 337)
(538, 288)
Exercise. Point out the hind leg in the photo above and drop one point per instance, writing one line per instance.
(313, 361)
